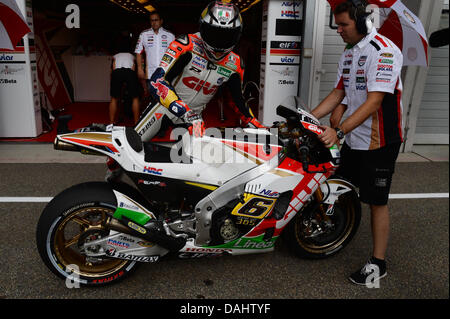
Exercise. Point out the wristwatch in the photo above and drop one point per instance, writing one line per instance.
(339, 133)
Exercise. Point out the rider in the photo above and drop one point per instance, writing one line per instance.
(193, 68)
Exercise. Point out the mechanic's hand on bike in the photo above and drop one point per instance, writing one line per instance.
(328, 137)
(197, 126)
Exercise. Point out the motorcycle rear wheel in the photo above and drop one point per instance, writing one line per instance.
(73, 217)
(330, 237)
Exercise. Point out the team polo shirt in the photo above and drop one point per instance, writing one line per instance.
(155, 45)
(373, 65)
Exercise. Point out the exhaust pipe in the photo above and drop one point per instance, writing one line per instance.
(152, 233)
(64, 146)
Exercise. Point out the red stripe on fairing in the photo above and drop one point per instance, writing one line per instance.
(256, 150)
(90, 143)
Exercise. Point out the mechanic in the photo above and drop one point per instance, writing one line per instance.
(154, 41)
(369, 77)
(193, 68)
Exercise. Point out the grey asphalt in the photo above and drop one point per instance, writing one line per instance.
(418, 256)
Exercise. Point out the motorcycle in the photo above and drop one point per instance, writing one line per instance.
(194, 197)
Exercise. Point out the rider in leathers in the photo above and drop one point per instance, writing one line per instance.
(193, 68)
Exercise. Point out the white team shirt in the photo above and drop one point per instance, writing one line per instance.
(373, 65)
(155, 45)
(124, 60)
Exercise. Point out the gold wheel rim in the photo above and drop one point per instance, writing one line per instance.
(69, 232)
(350, 221)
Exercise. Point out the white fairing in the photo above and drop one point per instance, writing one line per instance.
(215, 161)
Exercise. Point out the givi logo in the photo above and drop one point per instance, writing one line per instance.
(193, 83)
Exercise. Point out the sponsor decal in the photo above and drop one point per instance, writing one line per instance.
(269, 193)
(225, 72)
(348, 62)
(284, 72)
(197, 85)
(152, 183)
(147, 259)
(383, 80)
(211, 66)
(360, 72)
(313, 128)
(118, 243)
(152, 170)
(286, 82)
(193, 68)
(248, 243)
(362, 60)
(7, 81)
(390, 61)
(171, 52)
(162, 90)
(137, 228)
(384, 74)
(346, 71)
(128, 206)
(360, 79)
(199, 62)
(290, 14)
(387, 55)
(360, 87)
(5, 57)
(287, 60)
(167, 58)
(384, 67)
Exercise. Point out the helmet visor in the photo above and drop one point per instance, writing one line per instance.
(219, 38)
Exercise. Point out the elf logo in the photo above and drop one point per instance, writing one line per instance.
(197, 85)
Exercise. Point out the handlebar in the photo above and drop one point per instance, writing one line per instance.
(304, 152)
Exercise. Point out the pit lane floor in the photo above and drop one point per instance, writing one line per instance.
(418, 255)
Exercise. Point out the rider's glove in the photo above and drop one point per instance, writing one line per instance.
(197, 127)
(251, 122)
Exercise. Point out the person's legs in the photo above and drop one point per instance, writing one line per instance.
(113, 110)
(136, 109)
(380, 230)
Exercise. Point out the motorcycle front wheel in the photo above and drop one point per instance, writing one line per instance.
(72, 218)
(319, 231)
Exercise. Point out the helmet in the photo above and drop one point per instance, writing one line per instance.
(220, 29)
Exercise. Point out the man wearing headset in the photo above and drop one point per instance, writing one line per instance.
(193, 68)
(369, 77)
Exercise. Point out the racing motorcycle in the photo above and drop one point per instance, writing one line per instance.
(252, 187)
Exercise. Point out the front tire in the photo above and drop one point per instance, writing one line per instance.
(73, 217)
(314, 235)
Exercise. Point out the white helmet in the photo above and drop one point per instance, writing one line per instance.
(220, 28)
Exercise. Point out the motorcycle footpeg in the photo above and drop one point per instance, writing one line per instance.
(154, 233)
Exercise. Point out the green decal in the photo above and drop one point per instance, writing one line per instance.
(137, 217)
(224, 71)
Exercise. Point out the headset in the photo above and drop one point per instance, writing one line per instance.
(364, 19)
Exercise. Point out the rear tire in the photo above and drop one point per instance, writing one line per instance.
(312, 240)
(77, 215)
